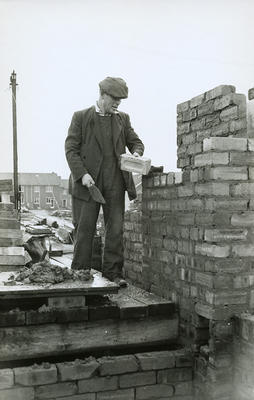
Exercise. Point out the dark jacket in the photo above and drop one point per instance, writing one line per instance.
(83, 149)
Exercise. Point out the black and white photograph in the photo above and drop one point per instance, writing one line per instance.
(126, 200)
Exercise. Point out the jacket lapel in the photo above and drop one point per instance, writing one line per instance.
(97, 129)
(116, 129)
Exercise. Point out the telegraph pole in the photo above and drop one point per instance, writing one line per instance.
(15, 147)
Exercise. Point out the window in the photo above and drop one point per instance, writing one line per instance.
(22, 188)
(49, 200)
(36, 200)
(37, 189)
(65, 191)
(64, 203)
(49, 189)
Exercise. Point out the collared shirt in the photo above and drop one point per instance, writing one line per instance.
(98, 110)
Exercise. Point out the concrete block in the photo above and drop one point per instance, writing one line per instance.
(220, 90)
(12, 260)
(225, 144)
(151, 392)
(219, 235)
(6, 378)
(243, 189)
(35, 375)
(137, 379)
(121, 394)
(211, 158)
(139, 165)
(78, 369)
(98, 384)
(66, 301)
(11, 233)
(55, 390)
(156, 360)
(229, 113)
(228, 173)
(9, 223)
(204, 279)
(211, 250)
(117, 365)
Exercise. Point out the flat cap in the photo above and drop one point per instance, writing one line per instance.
(115, 87)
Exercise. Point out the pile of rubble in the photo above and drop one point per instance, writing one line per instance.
(45, 272)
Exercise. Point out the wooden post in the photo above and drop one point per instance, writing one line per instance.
(15, 148)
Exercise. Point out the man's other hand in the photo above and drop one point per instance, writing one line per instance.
(87, 180)
(135, 154)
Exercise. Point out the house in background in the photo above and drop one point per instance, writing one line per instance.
(42, 190)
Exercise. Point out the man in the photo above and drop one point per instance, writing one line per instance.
(96, 138)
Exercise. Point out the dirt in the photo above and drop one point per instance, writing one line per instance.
(45, 272)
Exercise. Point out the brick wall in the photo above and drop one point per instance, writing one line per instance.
(197, 229)
(155, 375)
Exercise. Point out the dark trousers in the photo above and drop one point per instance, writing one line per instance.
(85, 214)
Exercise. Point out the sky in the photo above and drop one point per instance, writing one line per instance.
(167, 51)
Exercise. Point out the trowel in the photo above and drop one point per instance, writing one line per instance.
(96, 194)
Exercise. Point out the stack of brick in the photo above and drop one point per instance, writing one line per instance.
(12, 255)
(143, 376)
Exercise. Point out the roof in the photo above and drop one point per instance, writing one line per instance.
(34, 179)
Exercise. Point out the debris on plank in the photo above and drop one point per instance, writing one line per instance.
(45, 272)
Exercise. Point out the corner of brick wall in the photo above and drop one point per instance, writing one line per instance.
(197, 226)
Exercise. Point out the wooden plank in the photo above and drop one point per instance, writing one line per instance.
(9, 223)
(6, 185)
(12, 260)
(98, 285)
(11, 233)
(52, 339)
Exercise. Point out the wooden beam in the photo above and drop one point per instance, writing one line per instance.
(23, 342)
